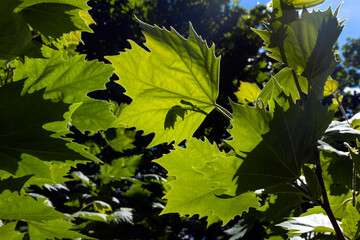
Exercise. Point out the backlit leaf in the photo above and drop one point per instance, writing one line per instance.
(275, 146)
(203, 174)
(176, 72)
(93, 115)
(350, 221)
(8, 232)
(22, 119)
(119, 168)
(120, 139)
(69, 80)
(248, 92)
(282, 83)
(303, 3)
(54, 17)
(304, 44)
(53, 229)
(17, 207)
(330, 86)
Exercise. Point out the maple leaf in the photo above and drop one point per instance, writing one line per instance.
(203, 174)
(176, 76)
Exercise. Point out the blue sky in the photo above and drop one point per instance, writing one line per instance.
(350, 9)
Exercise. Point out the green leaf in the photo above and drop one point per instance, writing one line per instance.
(15, 35)
(340, 130)
(18, 207)
(94, 216)
(101, 207)
(53, 229)
(69, 80)
(280, 205)
(13, 184)
(304, 3)
(304, 44)
(203, 174)
(23, 118)
(248, 92)
(93, 115)
(330, 86)
(275, 146)
(53, 18)
(7, 231)
(313, 184)
(120, 139)
(44, 172)
(173, 113)
(354, 152)
(282, 83)
(350, 222)
(337, 169)
(311, 223)
(175, 70)
(119, 168)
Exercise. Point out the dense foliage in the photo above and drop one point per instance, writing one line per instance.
(271, 162)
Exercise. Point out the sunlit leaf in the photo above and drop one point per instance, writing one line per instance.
(330, 86)
(203, 174)
(303, 3)
(54, 17)
(120, 139)
(17, 207)
(8, 232)
(122, 167)
(69, 80)
(282, 83)
(176, 72)
(350, 221)
(310, 223)
(53, 229)
(304, 43)
(94, 216)
(93, 115)
(248, 92)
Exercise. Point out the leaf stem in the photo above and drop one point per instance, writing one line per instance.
(325, 204)
(301, 94)
(224, 112)
(342, 110)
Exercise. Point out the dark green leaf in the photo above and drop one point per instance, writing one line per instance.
(23, 118)
(274, 148)
(15, 34)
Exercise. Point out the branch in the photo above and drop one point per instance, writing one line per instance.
(326, 205)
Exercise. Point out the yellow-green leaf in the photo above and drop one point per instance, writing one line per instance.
(175, 72)
(303, 3)
(203, 174)
(248, 92)
(331, 86)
